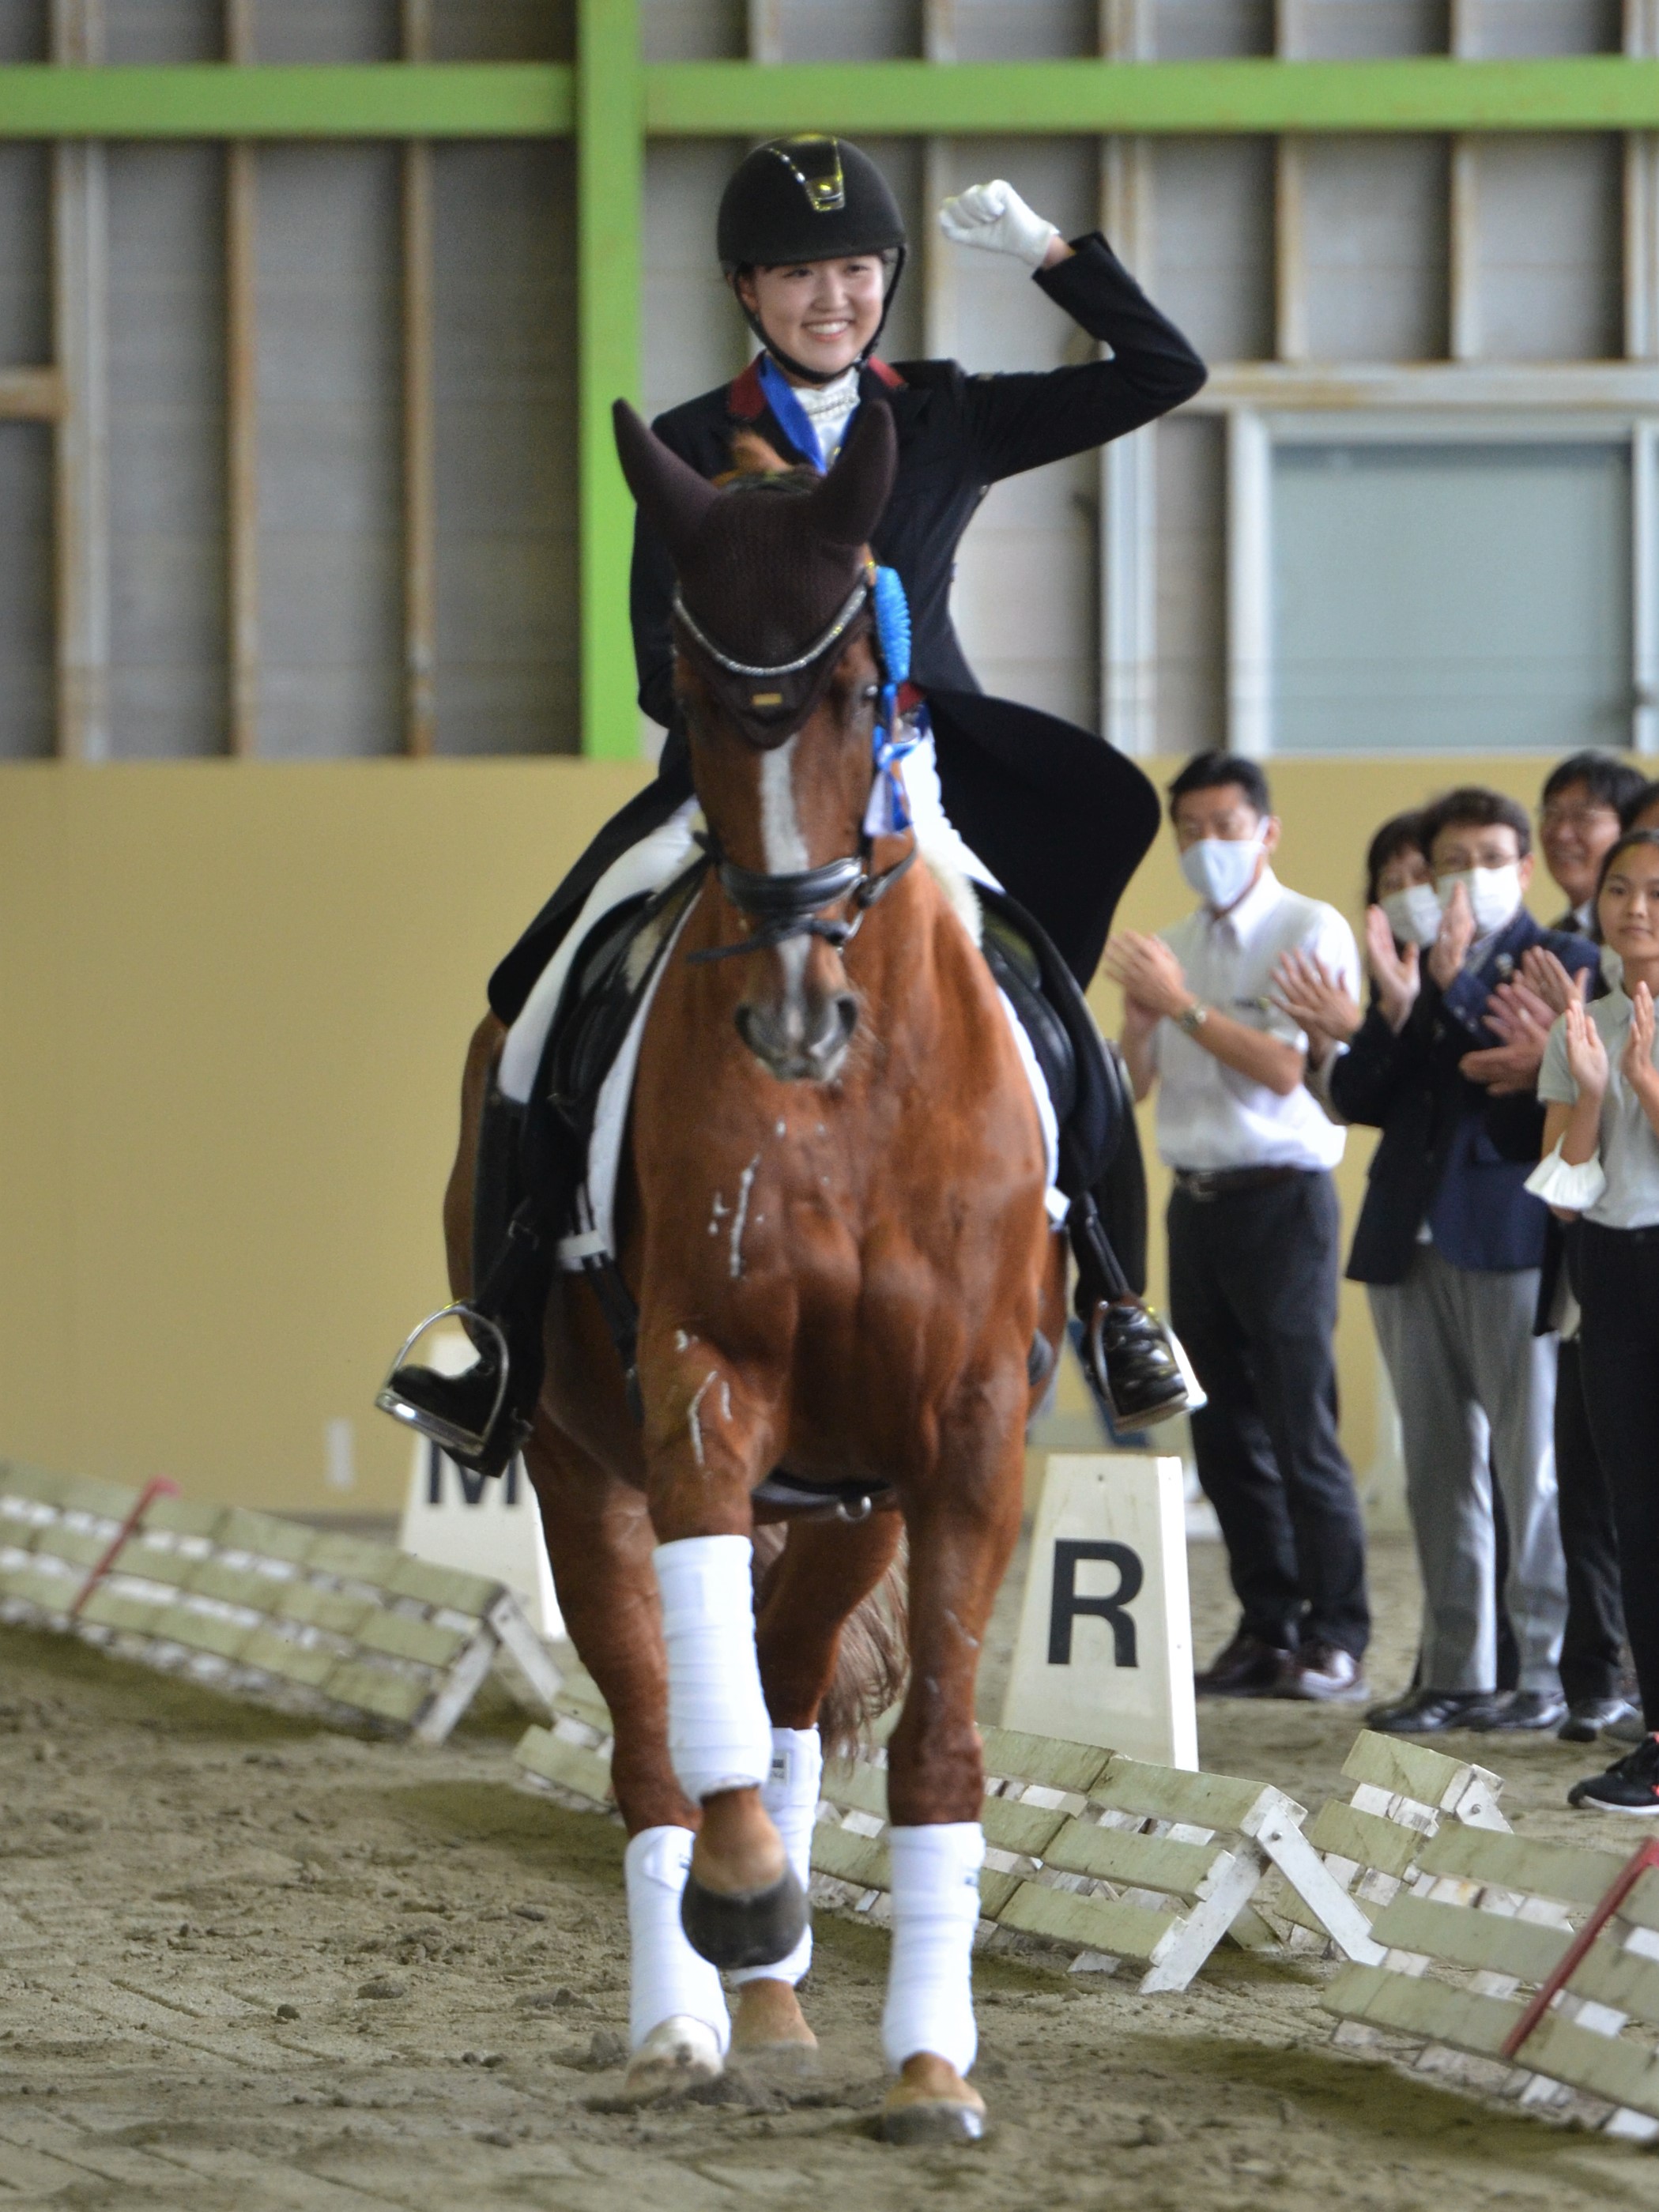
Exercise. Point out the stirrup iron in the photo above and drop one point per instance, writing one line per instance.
(468, 1444)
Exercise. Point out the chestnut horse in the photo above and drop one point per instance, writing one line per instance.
(831, 1215)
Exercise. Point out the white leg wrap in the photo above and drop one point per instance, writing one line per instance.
(790, 1794)
(719, 1736)
(930, 2002)
(667, 1980)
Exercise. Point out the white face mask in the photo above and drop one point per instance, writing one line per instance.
(1219, 868)
(1414, 914)
(1494, 894)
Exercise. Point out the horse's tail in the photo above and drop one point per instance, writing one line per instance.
(873, 1658)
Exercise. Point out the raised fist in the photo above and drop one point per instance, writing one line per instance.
(995, 217)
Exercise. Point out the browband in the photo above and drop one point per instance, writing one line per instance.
(820, 644)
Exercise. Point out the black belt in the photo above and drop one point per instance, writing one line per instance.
(1224, 1182)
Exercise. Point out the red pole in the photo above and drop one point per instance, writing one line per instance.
(161, 1486)
(1645, 1855)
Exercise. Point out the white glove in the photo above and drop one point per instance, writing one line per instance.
(995, 217)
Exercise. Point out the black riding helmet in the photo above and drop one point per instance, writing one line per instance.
(808, 198)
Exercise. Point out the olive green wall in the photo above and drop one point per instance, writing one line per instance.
(235, 1001)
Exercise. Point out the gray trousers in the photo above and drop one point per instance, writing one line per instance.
(1468, 1373)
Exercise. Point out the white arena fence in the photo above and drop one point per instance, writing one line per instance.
(1527, 1968)
(309, 1619)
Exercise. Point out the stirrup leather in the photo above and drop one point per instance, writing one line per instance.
(468, 1442)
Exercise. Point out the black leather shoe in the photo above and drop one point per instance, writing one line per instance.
(1131, 1364)
(1519, 1710)
(1247, 1668)
(1588, 1717)
(1430, 1712)
(1322, 1675)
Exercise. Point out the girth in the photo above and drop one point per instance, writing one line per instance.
(821, 1501)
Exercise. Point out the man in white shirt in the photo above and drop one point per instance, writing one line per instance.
(1253, 1224)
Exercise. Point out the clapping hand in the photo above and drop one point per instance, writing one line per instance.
(1523, 1019)
(1450, 948)
(1396, 975)
(1149, 975)
(1637, 1066)
(1586, 1055)
(1555, 985)
(1317, 1000)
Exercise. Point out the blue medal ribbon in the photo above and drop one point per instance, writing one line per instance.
(892, 611)
(795, 421)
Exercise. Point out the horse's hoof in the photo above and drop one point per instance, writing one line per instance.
(930, 2103)
(771, 2030)
(749, 1927)
(679, 2054)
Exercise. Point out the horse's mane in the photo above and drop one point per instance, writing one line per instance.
(758, 466)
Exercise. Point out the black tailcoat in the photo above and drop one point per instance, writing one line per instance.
(1062, 817)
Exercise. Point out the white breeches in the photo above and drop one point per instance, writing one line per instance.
(644, 868)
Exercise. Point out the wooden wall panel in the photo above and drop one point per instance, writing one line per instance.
(503, 349)
(169, 603)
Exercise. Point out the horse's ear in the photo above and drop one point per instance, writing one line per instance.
(669, 492)
(848, 505)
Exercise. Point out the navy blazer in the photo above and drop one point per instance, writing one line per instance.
(1450, 1152)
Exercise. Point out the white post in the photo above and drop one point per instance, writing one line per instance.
(1250, 583)
(1104, 1653)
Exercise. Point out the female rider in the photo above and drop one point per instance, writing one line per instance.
(812, 244)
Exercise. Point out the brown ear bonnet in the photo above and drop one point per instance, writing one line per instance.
(772, 574)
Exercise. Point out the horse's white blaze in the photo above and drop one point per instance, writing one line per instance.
(781, 839)
(785, 851)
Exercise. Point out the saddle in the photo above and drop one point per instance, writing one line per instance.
(1085, 1077)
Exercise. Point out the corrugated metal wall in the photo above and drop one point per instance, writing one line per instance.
(1373, 236)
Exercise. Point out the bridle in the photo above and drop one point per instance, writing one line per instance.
(783, 907)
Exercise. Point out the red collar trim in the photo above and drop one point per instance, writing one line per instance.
(745, 400)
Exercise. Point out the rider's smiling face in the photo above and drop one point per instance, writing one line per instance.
(821, 313)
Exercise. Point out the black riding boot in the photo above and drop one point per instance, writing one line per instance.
(1128, 1354)
(481, 1416)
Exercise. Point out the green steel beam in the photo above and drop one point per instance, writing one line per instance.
(219, 99)
(737, 100)
(610, 217)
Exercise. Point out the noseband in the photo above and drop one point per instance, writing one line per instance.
(783, 907)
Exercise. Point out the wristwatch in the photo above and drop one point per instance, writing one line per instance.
(1194, 1018)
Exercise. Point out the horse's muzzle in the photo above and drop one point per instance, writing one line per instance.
(801, 1041)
